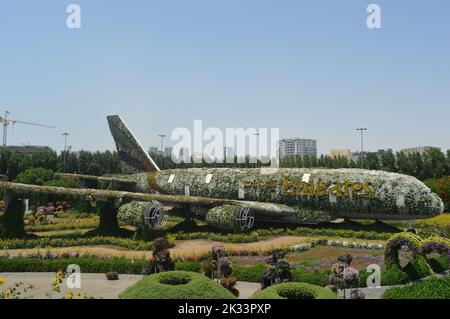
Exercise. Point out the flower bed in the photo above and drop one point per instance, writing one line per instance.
(66, 242)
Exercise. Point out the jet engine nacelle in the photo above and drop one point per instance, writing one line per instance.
(231, 217)
(154, 216)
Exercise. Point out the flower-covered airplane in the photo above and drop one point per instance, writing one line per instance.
(235, 198)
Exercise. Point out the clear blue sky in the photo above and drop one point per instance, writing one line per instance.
(311, 68)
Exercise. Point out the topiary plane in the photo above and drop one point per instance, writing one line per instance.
(235, 198)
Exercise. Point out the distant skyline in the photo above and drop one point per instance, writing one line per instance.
(311, 68)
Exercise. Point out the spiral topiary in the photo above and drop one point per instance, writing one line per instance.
(413, 242)
(438, 244)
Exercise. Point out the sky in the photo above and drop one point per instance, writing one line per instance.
(311, 68)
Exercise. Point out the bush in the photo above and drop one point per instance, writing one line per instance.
(418, 268)
(45, 242)
(112, 275)
(198, 287)
(175, 279)
(434, 288)
(317, 278)
(295, 290)
(191, 266)
(35, 176)
(394, 276)
(439, 264)
(250, 273)
(442, 188)
(87, 265)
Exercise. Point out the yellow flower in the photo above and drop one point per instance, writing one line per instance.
(2, 281)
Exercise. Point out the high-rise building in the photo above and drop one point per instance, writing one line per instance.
(419, 149)
(297, 146)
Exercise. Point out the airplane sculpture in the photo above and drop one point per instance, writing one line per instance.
(234, 199)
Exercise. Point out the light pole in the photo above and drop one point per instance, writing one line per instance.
(65, 150)
(362, 129)
(162, 136)
(257, 147)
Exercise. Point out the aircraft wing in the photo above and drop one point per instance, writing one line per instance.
(197, 204)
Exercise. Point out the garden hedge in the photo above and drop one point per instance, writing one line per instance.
(87, 265)
(434, 288)
(176, 285)
(295, 290)
(45, 242)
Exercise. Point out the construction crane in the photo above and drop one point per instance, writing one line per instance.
(7, 121)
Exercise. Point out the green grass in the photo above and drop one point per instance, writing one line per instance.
(434, 288)
(176, 285)
(274, 291)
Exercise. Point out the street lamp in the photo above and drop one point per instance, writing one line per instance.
(65, 150)
(362, 129)
(162, 136)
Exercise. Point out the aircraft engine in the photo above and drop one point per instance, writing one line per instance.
(231, 217)
(139, 214)
(154, 216)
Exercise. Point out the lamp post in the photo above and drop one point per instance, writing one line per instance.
(162, 136)
(362, 129)
(65, 150)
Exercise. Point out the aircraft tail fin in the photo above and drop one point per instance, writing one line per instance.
(129, 149)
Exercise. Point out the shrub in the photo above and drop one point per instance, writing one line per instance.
(45, 242)
(250, 273)
(294, 290)
(112, 275)
(440, 245)
(198, 287)
(394, 276)
(418, 268)
(442, 188)
(191, 266)
(317, 278)
(230, 283)
(175, 279)
(35, 176)
(439, 264)
(87, 265)
(434, 288)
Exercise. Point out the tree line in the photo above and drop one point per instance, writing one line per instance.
(83, 162)
(433, 164)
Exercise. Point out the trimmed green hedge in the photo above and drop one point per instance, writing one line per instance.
(45, 242)
(316, 278)
(87, 265)
(260, 234)
(294, 290)
(192, 266)
(176, 285)
(434, 288)
(250, 273)
(255, 274)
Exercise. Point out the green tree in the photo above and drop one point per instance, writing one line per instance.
(35, 176)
